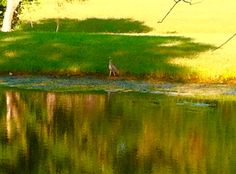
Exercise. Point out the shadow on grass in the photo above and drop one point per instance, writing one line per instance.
(80, 54)
(91, 25)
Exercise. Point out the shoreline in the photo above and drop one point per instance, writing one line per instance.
(93, 84)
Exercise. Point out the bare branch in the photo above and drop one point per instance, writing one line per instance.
(188, 2)
(176, 2)
(192, 3)
(225, 42)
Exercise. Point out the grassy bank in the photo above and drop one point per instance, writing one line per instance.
(37, 53)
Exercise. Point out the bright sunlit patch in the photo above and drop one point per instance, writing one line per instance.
(14, 38)
(74, 69)
(170, 44)
(209, 65)
(10, 54)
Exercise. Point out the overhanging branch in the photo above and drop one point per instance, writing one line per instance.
(176, 2)
(229, 39)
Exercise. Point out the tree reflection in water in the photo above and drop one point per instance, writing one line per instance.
(44, 132)
(13, 118)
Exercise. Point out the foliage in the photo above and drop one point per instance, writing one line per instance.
(3, 2)
(43, 9)
(2, 9)
(3, 5)
(30, 5)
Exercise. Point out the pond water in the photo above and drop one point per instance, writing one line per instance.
(46, 132)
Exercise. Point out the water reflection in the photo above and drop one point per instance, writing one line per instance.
(117, 133)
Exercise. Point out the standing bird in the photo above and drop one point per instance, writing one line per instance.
(112, 68)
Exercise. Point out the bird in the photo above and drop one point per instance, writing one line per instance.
(112, 69)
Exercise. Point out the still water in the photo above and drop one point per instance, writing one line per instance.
(45, 132)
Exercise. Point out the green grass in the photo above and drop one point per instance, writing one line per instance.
(73, 53)
(91, 25)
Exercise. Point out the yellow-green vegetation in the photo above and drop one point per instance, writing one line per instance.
(210, 66)
(67, 53)
(90, 25)
(74, 53)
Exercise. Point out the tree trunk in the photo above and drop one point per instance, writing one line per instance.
(8, 15)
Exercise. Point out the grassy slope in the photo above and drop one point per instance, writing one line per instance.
(79, 54)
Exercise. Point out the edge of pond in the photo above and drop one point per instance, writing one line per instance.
(92, 84)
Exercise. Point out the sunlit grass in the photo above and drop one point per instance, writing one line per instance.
(209, 66)
(69, 53)
(175, 61)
